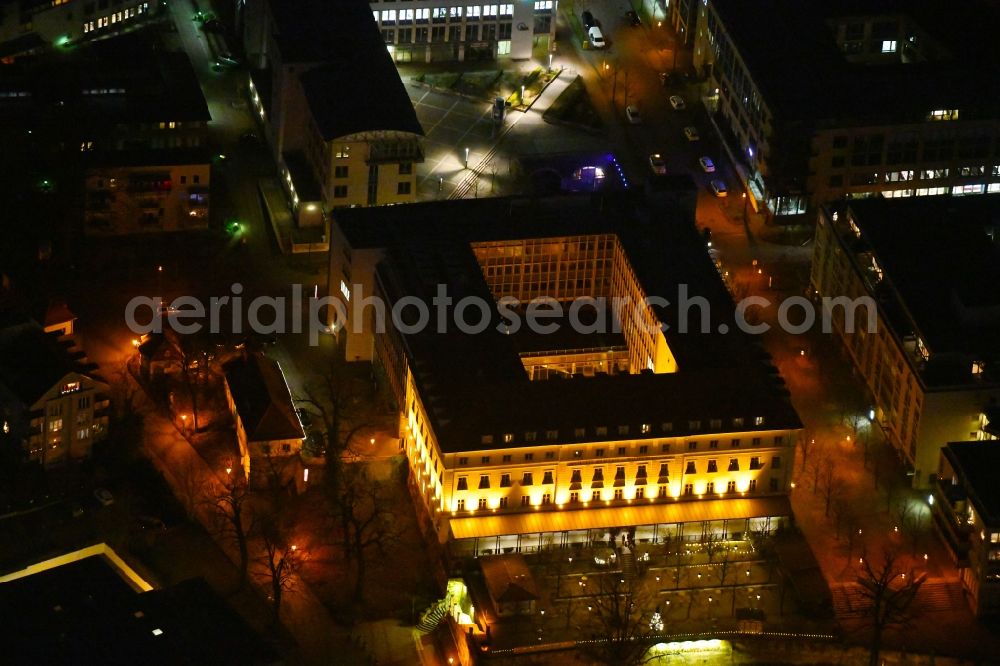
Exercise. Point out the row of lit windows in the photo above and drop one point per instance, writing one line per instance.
(402, 188)
(957, 190)
(472, 12)
(645, 428)
(115, 17)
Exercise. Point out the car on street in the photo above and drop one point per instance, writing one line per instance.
(718, 188)
(677, 102)
(588, 20)
(149, 524)
(632, 18)
(707, 165)
(104, 497)
(228, 59)
(633, 115)
(657, 164)
(691, 133)
(596, 37)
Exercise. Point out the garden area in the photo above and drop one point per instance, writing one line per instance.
(573, 108)
(490, 84)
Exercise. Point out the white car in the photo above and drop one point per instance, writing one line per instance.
(596, 37)
(657, 164)
(677, 102)
(633, 115)
(707, 165)
(691, 133)
(719, 190)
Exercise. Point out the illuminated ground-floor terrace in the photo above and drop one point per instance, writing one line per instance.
(693, 521)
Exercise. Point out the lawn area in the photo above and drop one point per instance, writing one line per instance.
(490, 84)
(573, 107)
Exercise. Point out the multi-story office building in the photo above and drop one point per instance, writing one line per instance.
(824, 100)
(50, 399)
(31, 26)
(966, 509)
(440, 30)
(520, 439)
(335, 111)
(683, 17)
(929, 269)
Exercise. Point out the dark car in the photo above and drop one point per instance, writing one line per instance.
(632, 18)
(588, 20)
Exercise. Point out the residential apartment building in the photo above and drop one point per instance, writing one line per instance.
(339, 121)
(522, 439)
(929, 269)
(441, 30)
(966, 509)
(683, 17)
(50, 399)
(33, 26)
(884, 100)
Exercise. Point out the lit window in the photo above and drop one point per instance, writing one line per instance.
(345, 290)
(889, 46)
(508, 438)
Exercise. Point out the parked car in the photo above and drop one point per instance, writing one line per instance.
(677, 102)
(588, 20)
(499, 109)
(633, 115)
(596, 37)
(707, 165)
(718, 188)
(104, 497)
(632, 18)
(691, 133)
(657, 164)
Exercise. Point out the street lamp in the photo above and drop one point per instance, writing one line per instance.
(466, 158)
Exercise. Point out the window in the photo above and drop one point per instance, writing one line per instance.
(482, 502)
(508, 438)
(530, 436)
(485, 460)
(197, 179)
(621, 450)
(779, 439)
(463, 461)
(579, 432)
(286, 448)
(664, 448)
(542, 5)
(715, 424)
(472, 12)
(388, 16)
(601, 431)
(574, 497)
(455, 12)
(689, 489)
(507, 10)
(184, 180)
(525, 500)
(712, 467)
(731, 487)
(776, 462)
(405, 14)
(460, 505)
(623, 430)
(551, 435)
(503, 502)
(599, 453)
(753, 485)
(463, 483)
(526, 479)
(340, 172)
(661, 492)
(755, 441)
(758, 420)
(888, 46)
(403, 187)
(340, 191)
(735, 444)
(505, 480)
(690, 468)
(738, 422)
(692, 446)
(343, 153)
(755, 463)
(595, 496)
(528, 457)
(507, 458)
(490, 10)
(734, 465)
(667, 427)
(486, 439)
(484, 482)
(694, 425)
(439, 12)
(547, 478)
(619, 494)
(84, 433)
(55, 425)
(423, 14)
(547, 498)
(710, 487)
(714, 444)
(405, 168)
(83, 403)
(774, 485)
(644, 428)
(643, 449)
(550, 455)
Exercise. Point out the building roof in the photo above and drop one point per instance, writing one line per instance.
(476, 385)
(354, 86)
(976, 464)
(508, 578)
(940, 276)
(262, 399)
(33, 361)
(639, 513)
(793, 57)
(85, 613)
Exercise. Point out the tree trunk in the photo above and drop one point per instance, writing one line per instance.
(876, 646)
(359, 582)
(241, 542)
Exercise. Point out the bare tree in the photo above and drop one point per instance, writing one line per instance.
(832, 484)
(234, 519)
(280, 561)
(806, 444)
(819, 462)
(366, 514)
(889, 591)
(713, 545)
(620, 614)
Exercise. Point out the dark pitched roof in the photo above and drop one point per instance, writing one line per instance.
(85, 613)
(262, 399)
(976, 463)
(33, 361)
(508, 578)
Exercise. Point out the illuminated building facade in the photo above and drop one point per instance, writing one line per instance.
(306, 61)
(29, 26)
(931, 363)
(811, 121)
(520, 439)
(966, 508)
(441, 30)
(50, 399)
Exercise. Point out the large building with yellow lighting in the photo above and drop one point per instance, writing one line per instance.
(519, 440)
